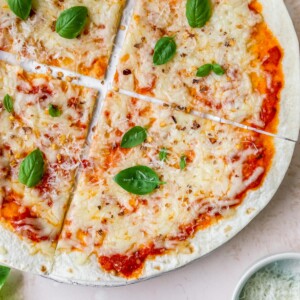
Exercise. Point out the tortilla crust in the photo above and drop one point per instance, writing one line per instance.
(25, 256)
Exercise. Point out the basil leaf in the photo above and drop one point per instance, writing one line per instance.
(134, 137)
(32, 169)
(198, 12)
(20, 8)
(163, 154)
(182, 163)
(164, 50)
(8, 103)
(204, 70)
(54, 111)
(218, 69)
(71, 22)
(4, 272)
(139, 180)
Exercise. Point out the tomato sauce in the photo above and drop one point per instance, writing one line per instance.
(15, 214)
(45, 185)
(146, 90)
(97, 68)
(129, 265)
(255, 7)
(113, 156)
(262, 158)
(268, 54)
(86, 163)
(188, 230)
(42, 89)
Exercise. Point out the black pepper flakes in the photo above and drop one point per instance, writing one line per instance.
(195, 125)
(178, 107)
(138, 45)
(126, 72)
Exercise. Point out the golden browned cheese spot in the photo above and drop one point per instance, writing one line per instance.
(43, 269)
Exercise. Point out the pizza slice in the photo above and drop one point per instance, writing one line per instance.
(43, 127)
(235, 66)
(38, 38)
(160, 188)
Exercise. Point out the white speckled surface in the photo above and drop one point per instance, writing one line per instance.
(276, 229)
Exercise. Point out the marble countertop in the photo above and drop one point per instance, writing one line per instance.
(276, 229)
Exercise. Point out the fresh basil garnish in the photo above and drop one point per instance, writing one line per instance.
(163, 154)
(139, 180)
(164, 50)
(198, 12)
(8, 103)
(4, 272)
(218, 69)
(32, 169)
(20, 8)
(182, 163)
(54, 111)
(134, 137)
(71, 22)
(205, 70)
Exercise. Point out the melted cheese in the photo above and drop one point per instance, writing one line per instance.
(36, 214)
(106, 220)
(36, 38)
(226, 39)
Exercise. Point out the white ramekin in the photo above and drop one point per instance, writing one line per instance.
(259, 265)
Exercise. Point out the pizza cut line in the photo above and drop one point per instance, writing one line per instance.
(43, 127)
(231, 68)
(36, 37)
